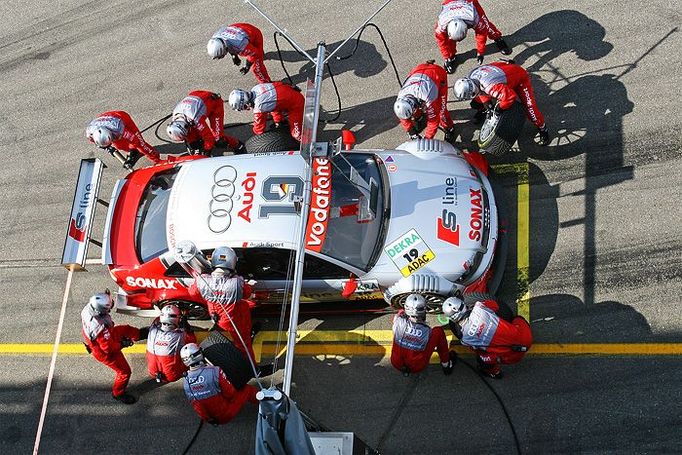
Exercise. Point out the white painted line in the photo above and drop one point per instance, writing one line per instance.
(55, 350)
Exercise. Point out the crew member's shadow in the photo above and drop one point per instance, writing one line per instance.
(365, 120)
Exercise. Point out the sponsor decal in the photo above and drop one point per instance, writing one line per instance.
(476, 221)
(249, 183)
(152, 283)
(320, 202)
(392, 168)
(281, 191)
(389, 159)
(367, 286)
(409, 252)
(171, 235)
(263, 244)
(78, 224)
(447, 227)
(220, 205)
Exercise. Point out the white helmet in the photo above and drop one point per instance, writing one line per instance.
(191, 354)
(454, 308)
(457, 30)
(101, 302)
(170, 318)
(177, 130)
(224, 257)
(101, 136)
(465, 89)
(415, 306)
(240, 99)
(216, 48)
(405, 106)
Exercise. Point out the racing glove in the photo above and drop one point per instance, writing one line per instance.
(245, 69)
(126, 342)
(503, 47)
(450, 65)
(413, 133)
(544, 135)
(479, 59)
(236, 60)
(144, 333)
(450, 135)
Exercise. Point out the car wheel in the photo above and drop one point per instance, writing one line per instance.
(194, 311)
(220, 351)
(277, 140)
(434, 302)
(499, 132)
(504, 312)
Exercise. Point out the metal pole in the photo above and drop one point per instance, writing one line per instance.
(279, 29)
(300, 251)
(358, 29)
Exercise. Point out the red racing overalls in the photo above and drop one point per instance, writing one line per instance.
(277, 98)
(213, 397)
(471, 12)
(127, 136)
(103, 340)
(414, 342)
(205, 113)
(429, 84)
(506, 82)
(163, 351)
(246, 41)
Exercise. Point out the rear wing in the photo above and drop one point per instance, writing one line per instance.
(79, 228)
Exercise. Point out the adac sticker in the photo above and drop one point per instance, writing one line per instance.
(409, 252)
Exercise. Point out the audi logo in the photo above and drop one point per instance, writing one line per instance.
(220, 206)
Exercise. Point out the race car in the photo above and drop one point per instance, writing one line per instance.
(419, 218)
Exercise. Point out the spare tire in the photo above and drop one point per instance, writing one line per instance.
(504, 312)
(276, 140)
(500, 131)
(220, 351)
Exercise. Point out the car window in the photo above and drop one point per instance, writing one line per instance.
(150, 222)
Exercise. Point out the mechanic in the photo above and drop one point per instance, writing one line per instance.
(493, 340)
(116, 131)
(104, 340)
(425, 93)
(167, 335)
(209, 391)
(198, 121)
(226, 295)
(240, 40)
(456, 17)
(505, 82)
(414, 341)
(274, 98)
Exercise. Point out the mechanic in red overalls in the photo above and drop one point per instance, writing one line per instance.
(104, 340)
(505, 82)
(414, 341)
(425, 92)
(116, 130)
(226, 295)
(494, 340)
(274, 98)
(240, 40)
(456, 17)
(165, 339)
(198, 119)
(211, 394)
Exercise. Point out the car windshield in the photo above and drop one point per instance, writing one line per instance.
(349, 237)
(150, 223)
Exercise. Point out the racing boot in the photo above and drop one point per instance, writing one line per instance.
(125, 398)
(447, 367)
(479, 59)
(503, 47)
(544, 135)
(133, 158)
(450, 65)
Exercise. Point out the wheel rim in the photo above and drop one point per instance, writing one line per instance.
(193, 310)
(434, 302)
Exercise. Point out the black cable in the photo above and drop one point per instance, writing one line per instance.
(338, 97)
(156, 131)
(279, 55)
(156, 123)
(194, 438)
(499, 400)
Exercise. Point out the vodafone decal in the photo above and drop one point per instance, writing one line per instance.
(320, 202)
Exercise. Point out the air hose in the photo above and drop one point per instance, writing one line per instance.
(194, 438)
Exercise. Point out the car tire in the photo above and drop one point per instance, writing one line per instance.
(504, 312)
(220, 351)
(499, 132)
(276, 140)
(195, 311)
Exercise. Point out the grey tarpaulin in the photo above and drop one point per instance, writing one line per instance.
(280, 429)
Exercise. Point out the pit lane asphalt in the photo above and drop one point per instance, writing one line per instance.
(604, 222)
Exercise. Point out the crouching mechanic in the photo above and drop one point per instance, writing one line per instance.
(240, 40)
(198, 120)
(274, 98)
(504, 82)
(165, 339)
(209, 391)
(115, 131)
(456, 17)
(414, 341)
(104, 340)
(425, 93)
(494, 340)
